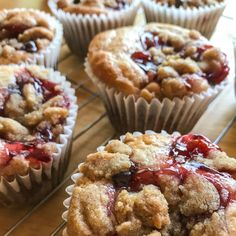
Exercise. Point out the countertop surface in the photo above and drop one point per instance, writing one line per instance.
(94, 129)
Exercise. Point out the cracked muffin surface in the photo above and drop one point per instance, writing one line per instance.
(157, 185)
(189, 3)
(33, 111)
(92, 6)
(22, 34)
(156, 60)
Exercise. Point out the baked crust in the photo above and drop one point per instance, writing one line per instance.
(96, 7)
(155, 184)
(33, 111)
(189, 3)
(23, 33)
(156, 60)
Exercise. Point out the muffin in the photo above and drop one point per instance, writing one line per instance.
(37, 115)
(82, 20)
(155, 76)
(201, 15)
(29, 36)
(154, 184)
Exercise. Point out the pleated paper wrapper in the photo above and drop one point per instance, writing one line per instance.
(37, 183)
(80, 29)
(76, 176)
(203, 19)
(128, 113)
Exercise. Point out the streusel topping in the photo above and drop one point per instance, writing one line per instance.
(155, 184)
(92, 6)
(33, 111)
(23, 33)
(157, 60)
(189, 3)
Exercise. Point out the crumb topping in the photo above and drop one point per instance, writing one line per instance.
(157, 60)
(33, 111)
(92, 6)
(189, 3)
(23, 33)
(172, 192)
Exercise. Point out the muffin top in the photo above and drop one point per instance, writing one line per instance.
(156, 60)
(23, 33)
(155, 184)
(189, 3)
(33, 111)
(92, 6)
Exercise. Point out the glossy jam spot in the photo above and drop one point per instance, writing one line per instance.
(144, 61)
(45, 133)
(185, 146)
(219, 76)
(47, 88)
(120, 4)
(30, 47)
(28, 150)
(111, 192)
(122, 179)
(150, 39)
(192, 145)
(223, 182)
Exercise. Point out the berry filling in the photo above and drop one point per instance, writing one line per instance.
(120, 4)
(30, 151)
(181, 165)
(29, 144)
(146, 62)
(188, 146)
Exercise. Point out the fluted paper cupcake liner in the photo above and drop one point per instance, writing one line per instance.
(128, 113)
(204, 19)
(47, 57)
(76, 176)
(80, 29)
(33, 186)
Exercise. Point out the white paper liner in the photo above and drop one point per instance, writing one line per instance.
(128, 113)
(39, 182)
(49, 56)
(80, 29)
(76, 176)
(204, 19)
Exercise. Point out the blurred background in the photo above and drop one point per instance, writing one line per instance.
(38, 4)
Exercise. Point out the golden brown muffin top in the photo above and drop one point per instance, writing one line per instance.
(96, 7)
(189, 3)
(156, 60)
(23, 33)
(155, 184)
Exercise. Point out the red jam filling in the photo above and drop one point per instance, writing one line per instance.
(111, 193)
(29, 151)
(180, 165)
(191, 145)
(47, 88)
(145, 61)
(121, 4)
(223, 182)
(14, 30)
